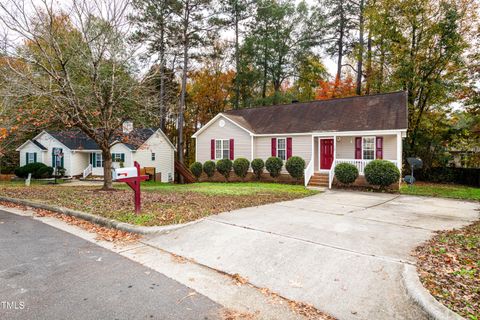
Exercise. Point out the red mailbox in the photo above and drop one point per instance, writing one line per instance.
(132, 177)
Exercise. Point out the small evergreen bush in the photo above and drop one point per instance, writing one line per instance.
(196, 169)
(209, 168)
(257, 167)
(295, 167)
(224, 167)
(240, 167)
(381, 173)
(346, 173)
(274, 166)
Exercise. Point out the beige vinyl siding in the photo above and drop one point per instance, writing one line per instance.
(31, 148)
(301, 147)
(346, 147)
(164, 156)
(50, 142)
(242, 147)
(80, 160)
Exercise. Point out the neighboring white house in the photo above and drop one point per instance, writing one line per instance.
(323, 132)
(82, 156)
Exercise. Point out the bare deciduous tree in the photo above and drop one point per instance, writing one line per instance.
(76, 59)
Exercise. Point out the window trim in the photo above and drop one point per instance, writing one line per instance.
(30, 154)
(119, 154)
(374, 147)
(97, 154)
(284, 149)
(222, 149)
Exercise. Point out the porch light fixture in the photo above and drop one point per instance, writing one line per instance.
(339, 139)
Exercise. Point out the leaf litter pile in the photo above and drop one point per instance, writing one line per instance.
(449, 267)
(103, 233)
(162, 207)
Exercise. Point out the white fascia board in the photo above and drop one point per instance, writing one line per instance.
(220, 115)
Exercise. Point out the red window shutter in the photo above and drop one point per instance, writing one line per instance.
(379, 148)
(358, 147)
(274, 147)
(232, 152)
(289, 148)
(212, 149)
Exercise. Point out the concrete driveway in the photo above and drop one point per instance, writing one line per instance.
(341, 251)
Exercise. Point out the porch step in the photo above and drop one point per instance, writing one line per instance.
(319, 180)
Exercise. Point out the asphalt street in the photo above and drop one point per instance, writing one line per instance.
(46, 273)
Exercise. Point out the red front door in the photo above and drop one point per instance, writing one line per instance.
(326, 153)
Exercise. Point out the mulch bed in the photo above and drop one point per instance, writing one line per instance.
(158, 208)
(449, 267)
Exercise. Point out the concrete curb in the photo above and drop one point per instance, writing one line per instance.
(417, 292)
(105, 222)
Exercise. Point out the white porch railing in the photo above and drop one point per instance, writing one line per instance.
(308, 173)
(360, 164)
(87, 171)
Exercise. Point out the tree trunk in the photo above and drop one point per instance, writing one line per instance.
(360, 50)
(236, 102)
(369, 64)
(161, 100)
(340, 46)
(107, 169)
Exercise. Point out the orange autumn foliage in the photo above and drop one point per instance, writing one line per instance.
(335, 89)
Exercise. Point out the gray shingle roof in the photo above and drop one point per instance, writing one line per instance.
(386, 111)
(38, 144)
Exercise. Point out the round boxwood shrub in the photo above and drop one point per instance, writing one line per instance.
(224, 166)
(295, 167)
(240, 167)
(257, 167)
(381, 173)
(274, 166)
(346, 173)
(196, 169)
(209, 168)
(38, 171)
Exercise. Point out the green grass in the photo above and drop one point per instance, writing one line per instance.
(442, 190)
(231, 188)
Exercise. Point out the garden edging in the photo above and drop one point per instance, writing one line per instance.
(105, 222)
(417, 292)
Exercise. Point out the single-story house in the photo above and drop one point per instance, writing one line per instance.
(324, 133)
(82, 156)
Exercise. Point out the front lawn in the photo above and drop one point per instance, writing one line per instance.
(449, 267)
(441, 190)
(162, 204)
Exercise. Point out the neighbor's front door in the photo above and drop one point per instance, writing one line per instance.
(326, 153)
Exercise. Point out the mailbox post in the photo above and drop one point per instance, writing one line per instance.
(132, 177)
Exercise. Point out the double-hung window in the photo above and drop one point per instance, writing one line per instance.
(282, 148)
(30, 157)
(368, 148)
(118, 157)
(222, 149)
(98, 160)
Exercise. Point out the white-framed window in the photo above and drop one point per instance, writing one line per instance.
(368, 148)
(282, 148)
(30, 157)
(153, 156)
(118, 157)
(98, 160)
(222, 149)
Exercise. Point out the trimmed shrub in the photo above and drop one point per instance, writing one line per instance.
(346, 173)
(274, 166)
(196, 169)
(240, 167)
(257, 167)
(224, 167)
(59, 172)
(381, 173)
(209, 168)
(295, 167)
(38, 171)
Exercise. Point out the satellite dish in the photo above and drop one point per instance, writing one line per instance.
(415, 163)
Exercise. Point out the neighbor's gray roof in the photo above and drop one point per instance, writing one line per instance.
(77, 140)
(38, 144)
(386, 111)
